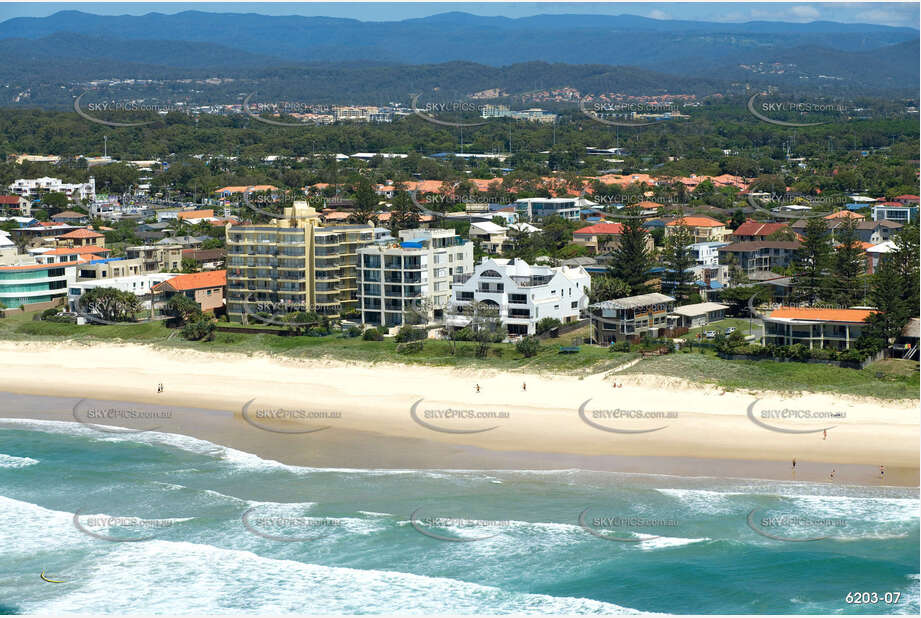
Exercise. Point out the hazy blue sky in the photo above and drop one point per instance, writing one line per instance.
(890, 13)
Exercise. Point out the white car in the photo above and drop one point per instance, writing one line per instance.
(710, 334)
(730, 330)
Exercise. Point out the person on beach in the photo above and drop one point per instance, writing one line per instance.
(832, 475)
(824, 434)
(478, 388)
(882, 471)
(794, 464)
(524, 386)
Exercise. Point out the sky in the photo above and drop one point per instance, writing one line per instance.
(886, 13)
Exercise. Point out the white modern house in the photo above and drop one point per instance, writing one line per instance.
(524, 294)
(707, 253)
(32, 187)
(536, 208)
(139, 285)
(412, 274)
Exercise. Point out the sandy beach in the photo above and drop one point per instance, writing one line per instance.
(332, 414)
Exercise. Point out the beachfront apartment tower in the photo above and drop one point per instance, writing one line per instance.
(412, 274)
(294, 264)
(523, 294)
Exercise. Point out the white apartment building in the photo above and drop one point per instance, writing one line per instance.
(414, 273)
(536, 208)
(140, 285)
(524, 294)
(707, 253)
(31, 187)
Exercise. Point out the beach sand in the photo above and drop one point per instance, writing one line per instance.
(361, 415)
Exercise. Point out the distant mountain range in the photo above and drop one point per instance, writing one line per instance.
(622, 52)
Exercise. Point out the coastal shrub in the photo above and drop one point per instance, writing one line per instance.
(200, 330)
(620, 346)
(353, 331)
(372, 334)
(410, 333)
(182, 310)
(317, 331)
(528, 346)
(410, 347)
(547, 324)
(464, 334)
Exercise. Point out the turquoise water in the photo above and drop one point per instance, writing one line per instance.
(373, 540)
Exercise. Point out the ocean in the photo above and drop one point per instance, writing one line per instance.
(162, 523)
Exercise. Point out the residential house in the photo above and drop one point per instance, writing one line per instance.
(813, 327)
(897, 212)
(699, 314)
(206, 259)
(16, 205)
(603, 238)
(490, 236)
(139, 285)
(205, 288)
(414, 274)
(703, 229)
(631, 317)
(756, 230)
(522, 294)
(759, 255)
(536, 208)
(157, 258)
(70, 216)
(81, 237)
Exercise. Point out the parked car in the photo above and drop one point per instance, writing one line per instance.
(710, 334)
(730, 330)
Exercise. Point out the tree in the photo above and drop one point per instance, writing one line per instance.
(843, 282)
(606, 287)
(182, 309)
(906, 260)
(483, 322)
(632, 261)
(405, 213)
(738, 218)
(366, 202)
(190, 266)
(811, 262)
(679, 260)
(110, 304)
(528, 346)
(886, 294)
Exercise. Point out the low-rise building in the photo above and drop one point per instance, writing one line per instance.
(33, 187)
(81, 237)
(631, 317)
(699, 314)
(703, 229)
(139, 285)
(521, 293)
(35, 284)
(70, 216)
(490, 236)
(756, 230)
(536, 208)
(901, 213)
(157, 258)
(760, 255)
(603, 238)
(816, 328)
(15, 205)
(412, 275)
(206, 288)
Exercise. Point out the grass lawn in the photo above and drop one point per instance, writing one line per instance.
(720, 326)
(890, 379)
(589, 359)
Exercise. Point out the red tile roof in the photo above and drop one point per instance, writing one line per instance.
(82, 233)
(194, 281)
(9, 199)
(822, 315)
(757, 228)
(696, 222)
(601, 228)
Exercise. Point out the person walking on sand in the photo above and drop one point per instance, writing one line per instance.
(882, 471)
(478, 388)
(524, 386)
(794, 464)
(832, 475)
(824, 434)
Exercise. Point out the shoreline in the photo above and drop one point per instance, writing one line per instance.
(687, 432)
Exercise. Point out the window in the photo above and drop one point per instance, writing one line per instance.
(490, 273)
